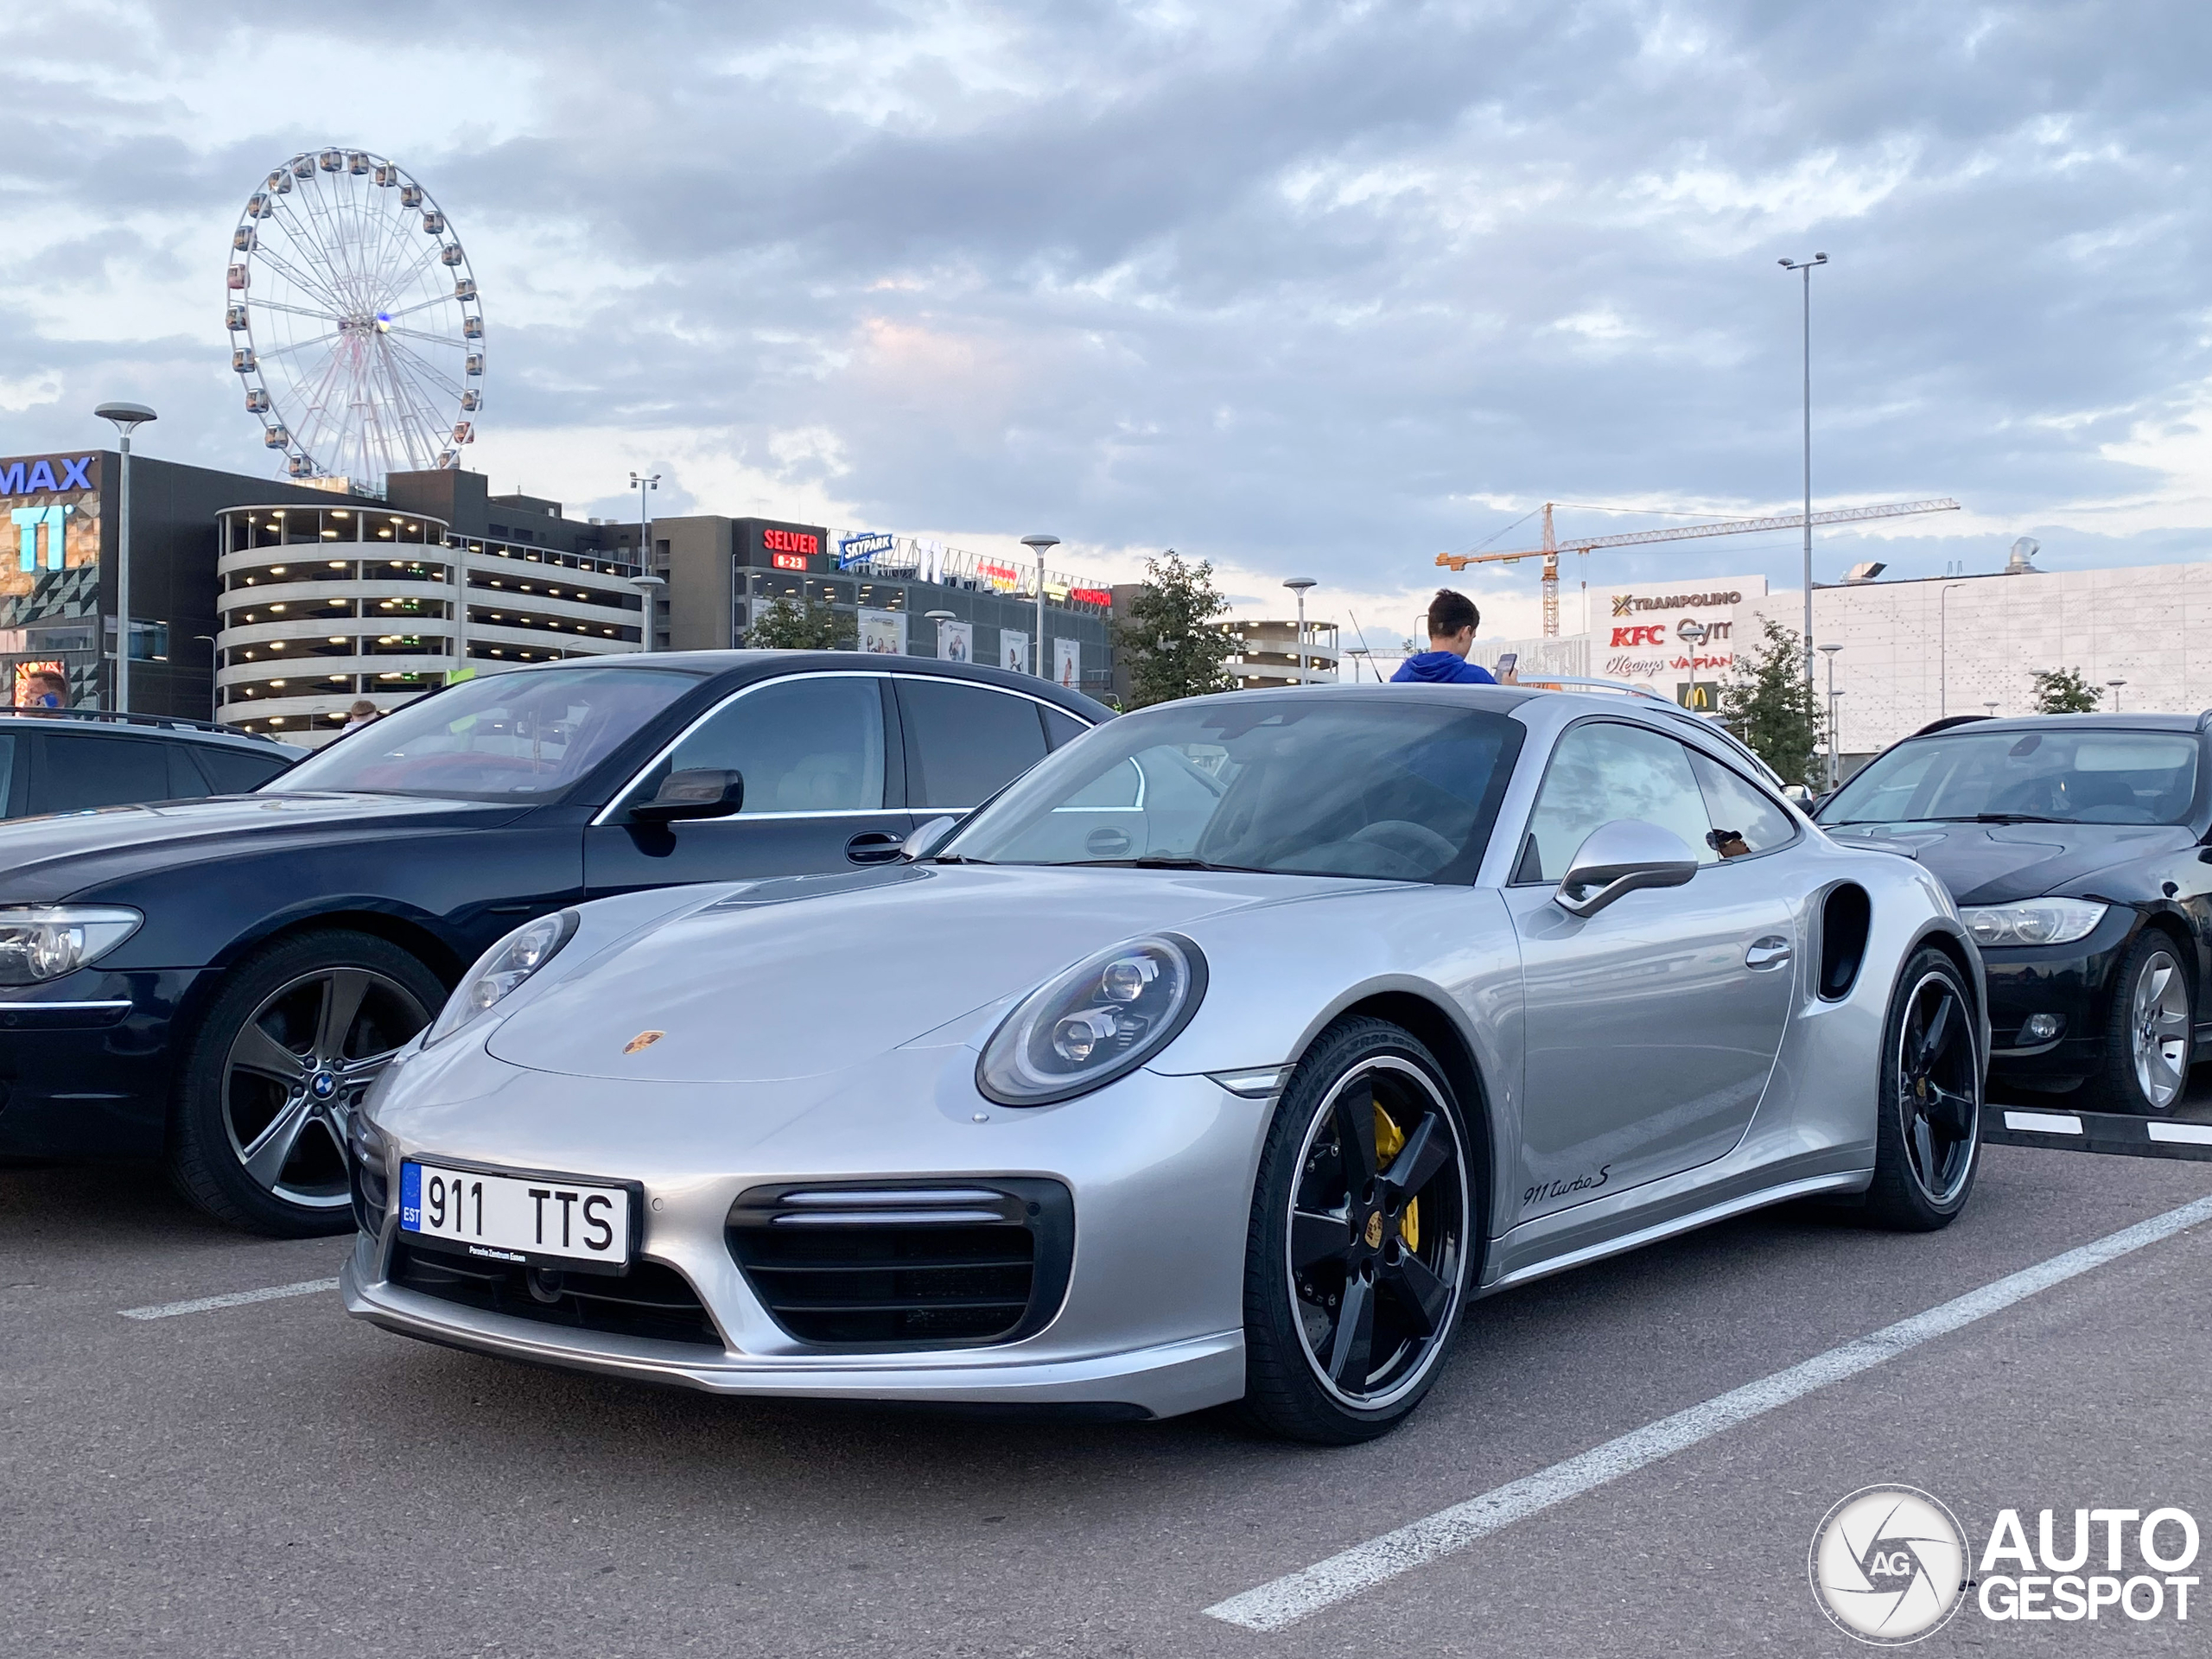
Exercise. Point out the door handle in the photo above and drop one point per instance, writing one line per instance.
(1769, 952)
(873, 846)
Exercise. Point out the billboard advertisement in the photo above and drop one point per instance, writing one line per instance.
(1067, 663)
(1013, 651)
(883, 634)
(956, 641)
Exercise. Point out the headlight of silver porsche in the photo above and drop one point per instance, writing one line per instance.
(2036, 921)
(41, 942)
(501, 969)
(1101, 1019)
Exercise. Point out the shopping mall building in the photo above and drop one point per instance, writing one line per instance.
(1910, 651)
(274, 606)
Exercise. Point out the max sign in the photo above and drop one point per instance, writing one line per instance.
(39, 477)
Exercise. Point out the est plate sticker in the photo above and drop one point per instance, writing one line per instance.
(515, 1218)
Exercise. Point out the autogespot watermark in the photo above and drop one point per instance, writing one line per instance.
(1889, 1566)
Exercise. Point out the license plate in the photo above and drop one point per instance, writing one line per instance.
(530, 1218)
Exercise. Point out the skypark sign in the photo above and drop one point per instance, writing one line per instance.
(40, 476)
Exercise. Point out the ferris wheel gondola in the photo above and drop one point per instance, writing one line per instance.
(356, 328)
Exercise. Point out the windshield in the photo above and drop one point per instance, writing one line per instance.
(2065, 775)
(1306, 784)
(514, 736)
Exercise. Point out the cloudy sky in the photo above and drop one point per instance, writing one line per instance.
(1299, 289)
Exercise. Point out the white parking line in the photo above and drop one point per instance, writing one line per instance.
(1289, 1599)
(236, 1299)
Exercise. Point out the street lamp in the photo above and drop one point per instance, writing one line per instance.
(2115, 685)
(1806, 267)
(126, 416)
(940, 617)
(214, 664)
(644, 584)
(1943, 650)
(1829, 652)
(1692, 633)
(1301, 586)
(1037, 545)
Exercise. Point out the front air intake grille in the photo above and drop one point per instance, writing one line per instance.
(652, 1299)
(920, 1264)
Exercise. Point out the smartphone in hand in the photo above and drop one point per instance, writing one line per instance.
(1507, 664)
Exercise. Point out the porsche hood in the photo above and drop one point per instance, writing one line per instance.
(807, 975)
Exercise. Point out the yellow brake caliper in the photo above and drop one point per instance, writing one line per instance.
(1388, 1140)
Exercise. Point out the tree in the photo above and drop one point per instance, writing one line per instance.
(1172, 642)
(2063, 691)
(1769, 705)
(805, 626)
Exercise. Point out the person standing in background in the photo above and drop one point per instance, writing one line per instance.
(1452, 619)
(360, 714)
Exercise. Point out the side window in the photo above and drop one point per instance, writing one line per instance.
(964, 743)
(75, 773)
(1060, 727)
(186, 783)
(813, 745)
(233, 772)
(1743, 820)
(1601, 772)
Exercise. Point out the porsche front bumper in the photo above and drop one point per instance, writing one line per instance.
(1161, 1381)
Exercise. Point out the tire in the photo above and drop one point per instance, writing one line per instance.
(2148, 1030)
(293, 1039)
(1353, 1282)
(1928, 1126)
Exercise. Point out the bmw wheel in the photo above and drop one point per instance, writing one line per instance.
(2148, 1031)
(1361, 1238)
(291, 1044)
(1928, 1130)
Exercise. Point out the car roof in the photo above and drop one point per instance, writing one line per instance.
(746, 664)
(2143, 723)
(104, 723)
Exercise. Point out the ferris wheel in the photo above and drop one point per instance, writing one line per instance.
(354, 322)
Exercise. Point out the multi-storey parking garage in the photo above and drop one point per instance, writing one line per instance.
(322, 606)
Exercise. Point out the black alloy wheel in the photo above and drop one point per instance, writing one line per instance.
(291, 1044)
(1358, 1251)
(1928, 1135)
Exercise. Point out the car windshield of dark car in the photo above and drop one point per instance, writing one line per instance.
(512, 736)
(2071, 775)
(1371, 786)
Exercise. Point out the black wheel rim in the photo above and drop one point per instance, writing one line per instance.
(1939, 1088)
(1377, 1233)
(297, 1069)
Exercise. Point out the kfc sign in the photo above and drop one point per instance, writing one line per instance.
(1655, 634)
(790, 541)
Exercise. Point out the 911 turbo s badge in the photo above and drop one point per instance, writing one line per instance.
(643, 1039)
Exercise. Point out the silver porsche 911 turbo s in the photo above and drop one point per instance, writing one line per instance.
(1224, 1057)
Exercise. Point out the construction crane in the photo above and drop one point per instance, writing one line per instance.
(1553, 547)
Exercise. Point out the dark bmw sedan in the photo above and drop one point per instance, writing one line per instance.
(217, 982)
(2076, 848)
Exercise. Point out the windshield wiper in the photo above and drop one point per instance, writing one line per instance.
(1998, 817)
(1152, 862)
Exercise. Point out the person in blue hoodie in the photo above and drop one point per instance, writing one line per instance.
(1452, 619)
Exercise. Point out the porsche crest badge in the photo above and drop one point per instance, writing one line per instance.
(643, 1039)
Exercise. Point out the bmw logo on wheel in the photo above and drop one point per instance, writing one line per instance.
(322, 1085)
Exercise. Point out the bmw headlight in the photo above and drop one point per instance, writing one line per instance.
(2036, 921)
(1104, 1017)
(41, 942)
(500, 970)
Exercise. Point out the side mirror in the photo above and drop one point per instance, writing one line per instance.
(927, 838)
(1798, 795)
(1617, 859)
(700, 792)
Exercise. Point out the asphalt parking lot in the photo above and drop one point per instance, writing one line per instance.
(268, 1477)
